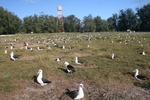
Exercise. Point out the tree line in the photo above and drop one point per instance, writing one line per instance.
(126, 19)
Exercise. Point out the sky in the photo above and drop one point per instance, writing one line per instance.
(79, 8)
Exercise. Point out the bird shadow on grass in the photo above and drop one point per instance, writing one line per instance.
(63, 70)
(71, 94)
(142, 85)
(35, 79)
(130, 73)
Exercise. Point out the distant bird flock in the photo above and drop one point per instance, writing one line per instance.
(57, 43)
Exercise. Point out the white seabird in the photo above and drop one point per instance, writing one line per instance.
(70, 48)
(70, 69)
(112, 56)
(13, 57)
(49, 47)
(139, 77)
(136, 73)
(26, 44)
(143, 53)
(77, 62)
(80, 93)
(11, 46)
(5, 51)
(40, 78)
(55, 45)
(58, 59)
(31, 49)
(63, 47)
(38, 48)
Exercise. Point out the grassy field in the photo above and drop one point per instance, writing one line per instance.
(98, 70)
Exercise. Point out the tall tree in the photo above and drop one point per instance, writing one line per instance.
(122, 23)
(131, 19)
(36, 24)
(144, 18)
(9, 23)
(113, 22)
(98, 23)
(72, 24)
(40, 24)
(105, 26)
(127, 20)
(50, 24)
(28, 24)
(101, 25)
(88, 24)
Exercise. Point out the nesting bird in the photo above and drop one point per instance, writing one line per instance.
(77, 62)
(76, 94)
(70, 48)
(69, 68)
(139, 77)
(63, 47)
(80, 94)
(31, 49)
(13, 57)
(25, 44)
(58, 59)
(143, 53)
(55, 45)
(5, 51)
(49, 47)
(12, 46)
(40, 78)
(112, 56)
(38, 48)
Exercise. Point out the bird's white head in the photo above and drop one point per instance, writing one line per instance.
(136, 70)
(81, 85)
(66, 63)
(12, 54)
(40, 71)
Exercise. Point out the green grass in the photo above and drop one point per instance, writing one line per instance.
(99, 67)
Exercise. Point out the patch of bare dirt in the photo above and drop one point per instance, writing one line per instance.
(57, 91)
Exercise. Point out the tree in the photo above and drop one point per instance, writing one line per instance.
(35, 24)
(105, 25)
(122, 22)
(9, 23)
(131, 19)
(50, 24)
(28, 24)
(101, 25)
(88, 24)
(72, 24)
(40, 24)
(113, 22)
(144, 18)
(127, 20)
(98, 23)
